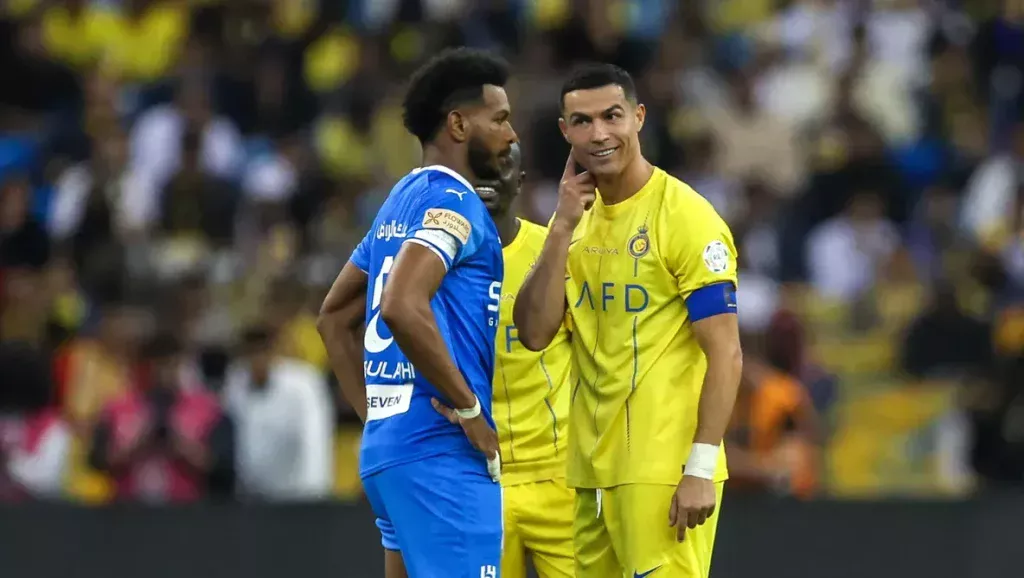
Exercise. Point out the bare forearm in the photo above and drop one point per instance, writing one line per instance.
(540, 305)
(341, 319)
(346, 357)
(416, 333)
(721, 382)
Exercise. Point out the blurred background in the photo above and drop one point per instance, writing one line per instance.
(180, 180)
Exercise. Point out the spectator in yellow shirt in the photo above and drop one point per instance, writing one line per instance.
(144, 42)
(73, 32)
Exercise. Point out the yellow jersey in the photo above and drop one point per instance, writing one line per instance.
(638, 370)
(531, 390)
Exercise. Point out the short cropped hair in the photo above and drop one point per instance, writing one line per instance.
(597, 75)
(452, 78)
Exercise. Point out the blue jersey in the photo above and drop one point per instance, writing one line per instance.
(438, 209)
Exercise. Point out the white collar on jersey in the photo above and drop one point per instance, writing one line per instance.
(448, 172)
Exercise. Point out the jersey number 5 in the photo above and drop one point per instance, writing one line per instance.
(372, 341)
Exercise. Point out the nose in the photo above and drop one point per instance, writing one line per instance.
(598, 133)
(512, 136)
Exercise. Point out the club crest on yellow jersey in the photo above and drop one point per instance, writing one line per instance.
(639, 244)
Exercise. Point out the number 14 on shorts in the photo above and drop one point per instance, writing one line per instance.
(488, 571)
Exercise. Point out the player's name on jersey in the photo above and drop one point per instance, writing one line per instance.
(391, 230)
(389, 370)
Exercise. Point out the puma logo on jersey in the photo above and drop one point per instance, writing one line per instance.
(458, 194)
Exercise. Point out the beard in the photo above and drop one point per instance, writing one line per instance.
(483, 164)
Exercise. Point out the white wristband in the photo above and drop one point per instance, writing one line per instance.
(471, 412)
(703, 461)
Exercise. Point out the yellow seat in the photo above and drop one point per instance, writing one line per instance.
(856, 355)
(877, 445)
(347, 484)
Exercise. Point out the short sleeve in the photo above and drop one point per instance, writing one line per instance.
(361, 255)
(698, 247)
(451, 222)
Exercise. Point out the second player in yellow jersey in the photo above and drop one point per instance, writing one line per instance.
(530, 407)
(649, 290)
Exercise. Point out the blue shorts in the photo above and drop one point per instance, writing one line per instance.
(444, 514)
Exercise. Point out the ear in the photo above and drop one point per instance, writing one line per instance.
(562, 126)
(522, 178)
(458, 126)
(641, 115)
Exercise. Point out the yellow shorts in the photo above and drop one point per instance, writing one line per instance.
(624, 532)
(538, 523)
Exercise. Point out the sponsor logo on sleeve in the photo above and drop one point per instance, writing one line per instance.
(448, 221)
(716, 257)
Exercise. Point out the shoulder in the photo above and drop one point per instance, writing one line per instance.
(533, 233)
(682, 201)
(443, 181)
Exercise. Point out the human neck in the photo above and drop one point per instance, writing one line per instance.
(508, 227)
(617, 188)
(435, 154)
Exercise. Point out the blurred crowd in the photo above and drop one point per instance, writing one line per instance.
(180, 180)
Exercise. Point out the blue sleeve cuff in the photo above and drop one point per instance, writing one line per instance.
(712, 300)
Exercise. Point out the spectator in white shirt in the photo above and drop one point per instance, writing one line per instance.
(845, 253)
(156, 138)
(991, 197)
(283, 413)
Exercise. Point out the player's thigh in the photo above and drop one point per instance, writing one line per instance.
(447, 515)
(646, 542)
(375, 489)
(545, 522)
(513, 555)
(592, 545)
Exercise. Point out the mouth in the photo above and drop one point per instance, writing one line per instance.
(604, 153)
(488, 193)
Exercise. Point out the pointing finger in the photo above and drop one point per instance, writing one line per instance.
(570, 168)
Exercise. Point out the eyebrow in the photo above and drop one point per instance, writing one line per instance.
(583, 116)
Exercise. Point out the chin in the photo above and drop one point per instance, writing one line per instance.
(605, 169)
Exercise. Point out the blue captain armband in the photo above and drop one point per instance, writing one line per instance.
(712, 300)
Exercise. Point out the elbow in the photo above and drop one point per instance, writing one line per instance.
(734, 356)
(396, 309)
(532, 341)
(323, 323)
(526, 330)
(727, 359)
(325, 319)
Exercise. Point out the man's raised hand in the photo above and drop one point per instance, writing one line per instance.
(576, 194)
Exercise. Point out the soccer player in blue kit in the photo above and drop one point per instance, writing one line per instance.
(426, 282)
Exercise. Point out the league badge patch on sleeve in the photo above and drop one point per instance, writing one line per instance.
(716, 257)
(448, 221)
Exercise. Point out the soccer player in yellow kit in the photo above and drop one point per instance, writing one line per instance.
(646, 270)
(530, 405)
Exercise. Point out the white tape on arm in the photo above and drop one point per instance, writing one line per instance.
(702, 462)
(471, 412)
